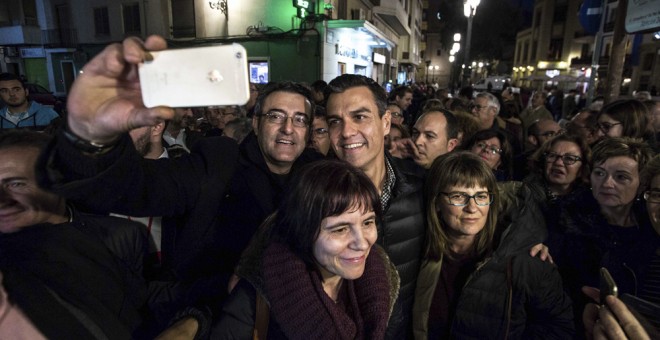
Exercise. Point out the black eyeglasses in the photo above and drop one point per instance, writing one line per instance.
(551, 157)
(279, 118)
(461, 199)
(652, 196)
(396, 114)
(492, 149)
(605, 127)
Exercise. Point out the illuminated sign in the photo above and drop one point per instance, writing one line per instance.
(305, 7)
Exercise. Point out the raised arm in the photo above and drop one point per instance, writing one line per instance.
(105, 100)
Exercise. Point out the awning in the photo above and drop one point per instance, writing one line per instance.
(361, 32)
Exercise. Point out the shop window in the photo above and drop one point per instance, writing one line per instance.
(101, 21)
(131, 17)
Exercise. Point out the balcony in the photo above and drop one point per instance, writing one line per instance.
(394, 15)
(60, 37)
(20, 35)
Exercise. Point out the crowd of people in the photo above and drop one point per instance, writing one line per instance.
(325, 211)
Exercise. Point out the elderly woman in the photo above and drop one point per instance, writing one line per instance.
(608, 226)
(477, 280)
(494, 148)
(315, 272)
(560, 167)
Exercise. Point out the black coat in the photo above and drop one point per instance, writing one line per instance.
(253, 193)
(186, 191)
(539, 308)
(402, 235)
(92, 264)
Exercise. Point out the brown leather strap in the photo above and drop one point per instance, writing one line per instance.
(261, 319)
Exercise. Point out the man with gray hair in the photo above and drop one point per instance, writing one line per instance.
(486, 107)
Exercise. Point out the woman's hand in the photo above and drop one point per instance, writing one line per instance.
(610, 321)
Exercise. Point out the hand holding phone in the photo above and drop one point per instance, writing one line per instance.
(607, 285)
(201, 76)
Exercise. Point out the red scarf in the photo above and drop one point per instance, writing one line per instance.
(303, 310)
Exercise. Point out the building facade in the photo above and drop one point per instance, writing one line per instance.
(49, 41)
(557, 51)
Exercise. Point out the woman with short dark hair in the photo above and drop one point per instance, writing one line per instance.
(314, 271)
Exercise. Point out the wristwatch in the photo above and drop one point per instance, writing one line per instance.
(89, 147)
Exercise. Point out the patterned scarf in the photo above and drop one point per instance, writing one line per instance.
(304, 311)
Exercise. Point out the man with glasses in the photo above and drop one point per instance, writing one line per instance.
(539, 132)
(319, 139)
(397, 114)
(585, 125)
(211, 200)
(486, 107)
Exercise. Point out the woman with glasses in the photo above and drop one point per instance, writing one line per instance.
(560, 167)
(607, 227)
(477, 280)
(623, 118)
(493, 147)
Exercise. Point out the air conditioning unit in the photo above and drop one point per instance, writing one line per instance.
(358, 14)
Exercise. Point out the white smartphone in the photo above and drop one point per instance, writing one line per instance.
(200, 76)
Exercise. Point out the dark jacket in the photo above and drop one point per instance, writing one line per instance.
(583, 241)
(253, 193)
(402, 236)
(539, 307)
(186, 191)
(239, 311)
(80, 278)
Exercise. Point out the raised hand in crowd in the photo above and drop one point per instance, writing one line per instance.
(610, 321)
(105, 100)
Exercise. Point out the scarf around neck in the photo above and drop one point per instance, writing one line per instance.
(303, 310)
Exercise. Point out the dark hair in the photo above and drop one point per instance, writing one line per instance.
(607, 148)
(506, 155)
(319, 86)
(533, 129)
(400, 91)
(651, 170)
(632, 114)
(585, 153)
(23, 139)
(460, 168)
(319, 112)
(6, 76)
(403, 130)
(286, 86)
(451, 129)
(322, 189)
(347, 81)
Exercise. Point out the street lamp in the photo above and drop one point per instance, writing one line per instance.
(469, 10)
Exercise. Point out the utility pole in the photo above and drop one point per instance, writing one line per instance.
(618, 55)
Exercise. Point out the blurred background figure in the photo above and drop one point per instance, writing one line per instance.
(238, 128)
(493, 148)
